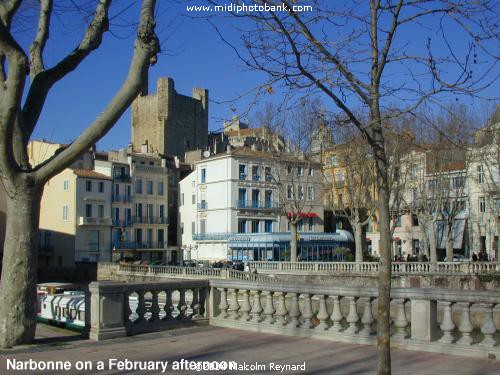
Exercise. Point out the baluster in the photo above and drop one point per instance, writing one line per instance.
(155, 308)
(322, 313)
(401, 322)
(488, 328)
(182, 306)
(245, 306)
(141, 307)
(465, 325)
(447, 324)
(269, 308)
(257, 307)
(281, 311)
(195, 304)
(367, 318)
(128, 311)
(294, 312)
(168, 308)
(307, 313)
(233, 304)
(336, 316)
(353, 317)
(223, 305)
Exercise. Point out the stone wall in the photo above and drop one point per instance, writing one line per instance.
(170, 123)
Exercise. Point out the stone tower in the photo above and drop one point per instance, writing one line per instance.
(170, 123)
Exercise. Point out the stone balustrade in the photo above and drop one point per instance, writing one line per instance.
(371, 268)
(120, 309)
(434, 320)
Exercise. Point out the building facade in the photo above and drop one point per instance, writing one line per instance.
(243, 191)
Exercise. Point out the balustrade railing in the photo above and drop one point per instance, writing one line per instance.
(419, 268)
(119, 309)
(436, 320)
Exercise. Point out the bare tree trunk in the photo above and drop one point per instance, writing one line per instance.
(293, 242)
(449, 241)
(358, 240)
(19, 271)
(432, 242)
(423, 237)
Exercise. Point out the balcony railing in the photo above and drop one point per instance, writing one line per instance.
(202, 205)
(122, 223)
(121, 177)
(212, 236)
(94, 220)
(149, 220)
(259, 205)
(122, 198)
(255, 177)
(243, 176)
(131, 245)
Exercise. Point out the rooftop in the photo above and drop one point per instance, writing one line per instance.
(86, 173)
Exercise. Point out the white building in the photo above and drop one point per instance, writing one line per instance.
(237, 192)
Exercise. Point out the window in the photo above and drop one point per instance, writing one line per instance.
(203, 175)
(457, 182)
(268, 198)
(100, 187)
(65, 212)
(310, 193)
(414, 220)
(117, 190)
(255, 173)
(414, 171)
(100, 210)
(496, 205)
(333, 160)
(397, 220)
(268, 226)
(311, 172)
(161, 238)
(128, 215)
(432, 184)
(149, 213)
(268, 174)
(138, 210)
(300, 170)
(149, 187)
(138, 186)
(160, 187)
(242, 226)
(340, 200)
(289, 192)
(94, 240)
(480, 174)
(300, 191)
(66, 185)
(416, 247)
(482, 204)
(88, 210)
(193, 227)
(193, 199)
(288, 169)
(242, 172)
(255, 226)
(242, 197)
(116, 215)
(203, 226)
(161, 212)
(129, 190)
(88, 185)
(311, 224)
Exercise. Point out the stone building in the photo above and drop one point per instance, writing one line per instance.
(170, 123)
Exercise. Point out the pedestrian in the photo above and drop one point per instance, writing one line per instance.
(474, 257)
(247, 267)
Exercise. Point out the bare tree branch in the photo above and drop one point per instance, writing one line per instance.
(38, 45)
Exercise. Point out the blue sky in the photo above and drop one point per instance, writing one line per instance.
(194, 56)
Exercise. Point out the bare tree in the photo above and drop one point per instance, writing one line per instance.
(353, 51)
(21, 104)
(351, 176)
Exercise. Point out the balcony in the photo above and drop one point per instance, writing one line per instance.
(243, 176)
(131, 245)
(94, 220)
(222, 236)
(255, 177)
(121, 177)
(258, 205)
(122, 198)
(149, 220)
(122, 223)
(203, 205)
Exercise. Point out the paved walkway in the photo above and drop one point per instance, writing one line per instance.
(221, 344)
